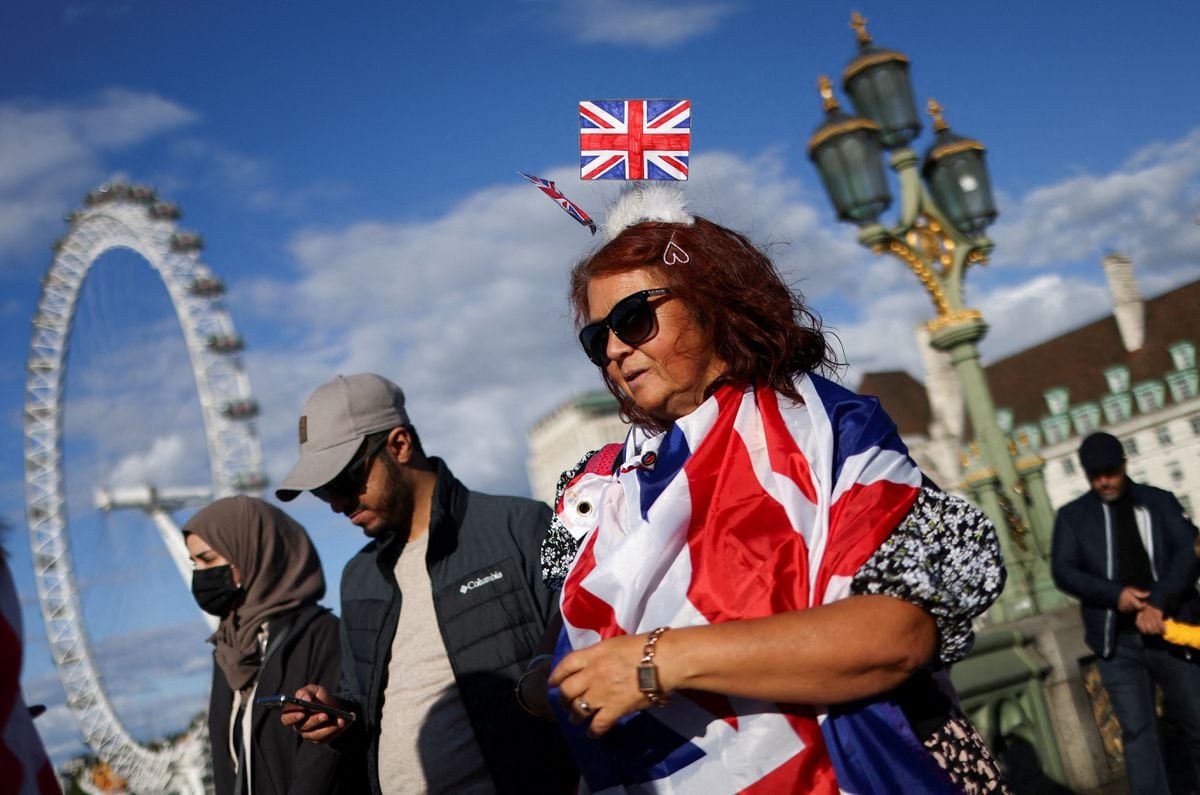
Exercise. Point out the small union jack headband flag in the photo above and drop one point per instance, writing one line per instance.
(635, 138)
(572, 209)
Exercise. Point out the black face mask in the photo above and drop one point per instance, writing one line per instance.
(214, 590)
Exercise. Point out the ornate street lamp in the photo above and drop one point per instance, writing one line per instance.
(847, 154)
(945, 207)
(957, 177)
(877, 82)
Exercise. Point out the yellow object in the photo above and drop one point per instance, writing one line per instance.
(1182, 634)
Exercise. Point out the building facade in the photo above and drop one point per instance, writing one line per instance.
(561, 438)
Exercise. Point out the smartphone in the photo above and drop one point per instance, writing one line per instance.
(280, 701)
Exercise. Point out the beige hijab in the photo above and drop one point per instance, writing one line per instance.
(279, 571)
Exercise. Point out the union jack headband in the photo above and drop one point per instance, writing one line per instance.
(652, 201)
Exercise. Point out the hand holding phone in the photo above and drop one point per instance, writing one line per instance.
(281, 701)
(315, 718)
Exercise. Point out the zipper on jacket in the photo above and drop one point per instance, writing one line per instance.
(1110, 615)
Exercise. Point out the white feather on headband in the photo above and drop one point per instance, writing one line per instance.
(653, 201)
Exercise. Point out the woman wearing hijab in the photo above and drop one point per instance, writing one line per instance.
(256, 569)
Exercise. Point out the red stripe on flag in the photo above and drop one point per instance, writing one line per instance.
(666, 117)
(600, 169)
(636, 117)
(650, 142)
(591, 114)
(809, 770)
(582, 608)
(782, 452)
(676, 164)
(603, 142)
(747, 561)
(862, 518)
(667, 142)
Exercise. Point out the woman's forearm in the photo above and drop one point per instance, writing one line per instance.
(853, 648)
(858, 647)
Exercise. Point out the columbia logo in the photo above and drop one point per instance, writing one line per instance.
(471, 585)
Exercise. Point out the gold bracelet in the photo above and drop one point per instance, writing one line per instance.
(647, 671)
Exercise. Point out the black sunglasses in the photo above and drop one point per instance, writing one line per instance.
(632, 320)
(351, 479)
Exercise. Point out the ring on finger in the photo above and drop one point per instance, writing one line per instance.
(583, 706)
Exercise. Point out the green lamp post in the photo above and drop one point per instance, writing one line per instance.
(946, 205)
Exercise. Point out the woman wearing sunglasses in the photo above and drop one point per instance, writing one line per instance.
(257, 570)
(758, 588)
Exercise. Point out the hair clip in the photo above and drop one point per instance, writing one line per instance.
(674, 254)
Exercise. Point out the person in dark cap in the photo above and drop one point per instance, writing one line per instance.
(442, 610)
(1125, 551)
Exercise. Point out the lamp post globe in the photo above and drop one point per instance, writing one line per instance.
(848, 156)
(878, 84)
(955, 171)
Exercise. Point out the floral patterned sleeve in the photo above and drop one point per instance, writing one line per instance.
(945, 558)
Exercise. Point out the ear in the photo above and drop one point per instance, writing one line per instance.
(399, 444)
(237, 575)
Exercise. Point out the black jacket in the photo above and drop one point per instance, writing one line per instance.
(492, 608)
(302, 647)
(1083, 564)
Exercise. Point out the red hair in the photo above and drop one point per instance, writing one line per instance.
(754, 322)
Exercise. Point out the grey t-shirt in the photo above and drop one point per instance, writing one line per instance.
(426, 743)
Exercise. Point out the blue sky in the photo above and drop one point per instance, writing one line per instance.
(353, 172)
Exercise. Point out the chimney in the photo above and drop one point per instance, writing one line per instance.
(1128, 308)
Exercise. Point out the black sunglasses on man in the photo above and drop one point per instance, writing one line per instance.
(351, 479)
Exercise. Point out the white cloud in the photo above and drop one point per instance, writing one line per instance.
(37, 140)
(1025, 313)
(164, 462)
(1147, 209)
(645, 24)
(47, 152)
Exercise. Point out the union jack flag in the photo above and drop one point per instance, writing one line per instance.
(574, 210)
(24, 766)
(750, 506)
(634, 138)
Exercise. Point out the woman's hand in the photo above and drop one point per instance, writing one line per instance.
(316, 727)
(600, 682)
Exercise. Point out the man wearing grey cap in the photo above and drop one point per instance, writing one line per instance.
(1125, 550)
(441, 610)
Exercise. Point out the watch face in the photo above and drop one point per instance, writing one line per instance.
(647, 678)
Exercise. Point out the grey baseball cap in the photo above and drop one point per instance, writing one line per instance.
(336, 418)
